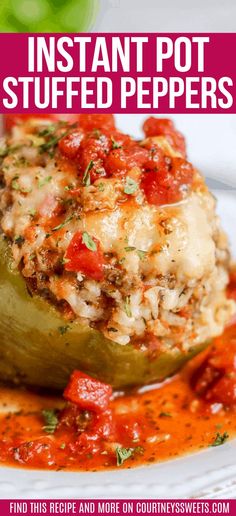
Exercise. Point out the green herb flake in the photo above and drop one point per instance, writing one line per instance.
(165, 414)
(47, 131)
(51, 420)
(141, 254)
(60, 226)
(65, 260)
(14, 184)
(130, 186)
(115, 145)
(32, 212)
(89, 242)
(86, 177)
(19, 240)
(3, 152)
(122, 454)
(50, 145)
(220, 439)
(130, 248)
(127, 307)
(63, 329)
(62, 446)
(68, 188)
(42, 182)
(101, 187)
(96, 134)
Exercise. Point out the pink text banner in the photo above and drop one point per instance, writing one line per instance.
(118, 507)
(133, 73)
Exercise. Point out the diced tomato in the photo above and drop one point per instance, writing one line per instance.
(96, 121)
(91, 440)
(131, 430)
(224, 391)
(120, 161)
(93, 152)
(215, 379)
(70, 144)
(170, 185)
(87, 393)
(40, 450)
(81, 259)
(165, 127)
(10, 120)
(155, 159)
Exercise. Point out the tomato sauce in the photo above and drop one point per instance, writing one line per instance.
(185, 414)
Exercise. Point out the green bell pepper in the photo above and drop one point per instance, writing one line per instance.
(39, 347)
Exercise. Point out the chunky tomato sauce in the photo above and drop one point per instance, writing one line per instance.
(85, 431)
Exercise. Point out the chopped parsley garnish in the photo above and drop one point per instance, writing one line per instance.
(32, 212)
(63, 329)
(130, 248)
(141, 254)
(3, 152)
(48, 130)
(43, 181)
(122, 454)
(127, 307)
(130, 186)
(220, 439)
(19, 240)
(165, 414)
(89, 242)
(51, 420)
(60, 226)
(14, 184)
(96, 133)
(101, 187)
(64, 260)
(50, 145)
(86, 177)
(115, 145)
(7, 150)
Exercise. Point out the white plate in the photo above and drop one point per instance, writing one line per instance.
(210, 473)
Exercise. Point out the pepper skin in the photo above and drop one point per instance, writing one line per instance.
(34, 351)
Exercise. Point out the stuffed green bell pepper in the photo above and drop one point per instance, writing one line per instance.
(112, 260)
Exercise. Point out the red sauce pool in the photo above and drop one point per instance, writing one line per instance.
(141, 428)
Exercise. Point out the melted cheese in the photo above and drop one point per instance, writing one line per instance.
(180, 237)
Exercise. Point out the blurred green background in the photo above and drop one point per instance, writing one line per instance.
(47, 15)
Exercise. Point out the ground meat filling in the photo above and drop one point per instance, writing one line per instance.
(117, 233)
